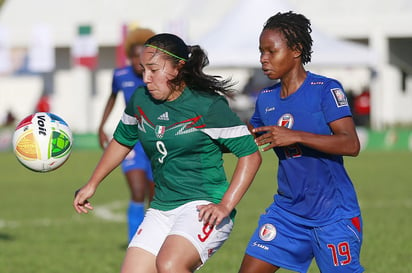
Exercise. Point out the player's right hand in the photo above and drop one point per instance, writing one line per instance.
(81, 196)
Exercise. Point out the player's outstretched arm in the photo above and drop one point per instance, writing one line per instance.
(111, 158)
(103, 139)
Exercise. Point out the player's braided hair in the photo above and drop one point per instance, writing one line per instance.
(297, 30)
(195, 59)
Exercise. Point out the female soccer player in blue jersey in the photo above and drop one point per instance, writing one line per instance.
(306, 120)
(136, 166)
(183, 122)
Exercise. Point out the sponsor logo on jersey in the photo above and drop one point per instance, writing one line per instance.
(267, 232)
(256, 244)
(286, 120)
(270, 109)
(339, 97)
(164, 116)
(128, 84)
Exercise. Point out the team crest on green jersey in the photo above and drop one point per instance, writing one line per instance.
(160, 131)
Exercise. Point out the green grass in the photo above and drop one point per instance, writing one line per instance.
(40, 232)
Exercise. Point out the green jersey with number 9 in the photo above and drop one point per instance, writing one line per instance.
(183, 139)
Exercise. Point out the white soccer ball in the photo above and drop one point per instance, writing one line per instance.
(42, 142)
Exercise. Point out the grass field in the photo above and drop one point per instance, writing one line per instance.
(41, 233)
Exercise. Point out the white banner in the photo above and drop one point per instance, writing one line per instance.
(5, 56)
(41, 55)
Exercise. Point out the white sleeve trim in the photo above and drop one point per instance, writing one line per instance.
(229, 132)
(128, 120)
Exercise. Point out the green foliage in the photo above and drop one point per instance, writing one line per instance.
(40, 232)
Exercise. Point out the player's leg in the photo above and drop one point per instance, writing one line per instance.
(138, 174)
(191, 243)
(251, 264)
(138, 184)
(177, 255)
(136, 180)
(277, 243)
(138, 260)
(337, 246)
(145, 245)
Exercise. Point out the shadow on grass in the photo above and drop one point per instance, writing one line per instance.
(123, 246)
(6, 237)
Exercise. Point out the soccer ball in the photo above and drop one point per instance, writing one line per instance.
(42, 142)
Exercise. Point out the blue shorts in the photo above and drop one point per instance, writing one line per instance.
(137, 160)
(335, 247)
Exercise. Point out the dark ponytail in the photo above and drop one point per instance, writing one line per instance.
(194, 61)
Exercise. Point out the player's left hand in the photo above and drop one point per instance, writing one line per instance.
(212, 214)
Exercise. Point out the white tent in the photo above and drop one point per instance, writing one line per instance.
(234, 41)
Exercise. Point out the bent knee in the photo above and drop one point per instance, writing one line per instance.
(172, 266)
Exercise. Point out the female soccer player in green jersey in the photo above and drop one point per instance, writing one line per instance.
(183, 121)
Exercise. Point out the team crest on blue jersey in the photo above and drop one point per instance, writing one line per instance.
(267, 232)
(160, 131)
(286, 120)
(339, 97)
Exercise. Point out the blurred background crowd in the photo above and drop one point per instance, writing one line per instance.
(58, 55)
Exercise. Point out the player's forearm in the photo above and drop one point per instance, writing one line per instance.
(242, 178)
(340, 144)
(112, 157)
(107, 110)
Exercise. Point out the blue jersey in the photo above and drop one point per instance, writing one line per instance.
(126, 81)
(313, 187)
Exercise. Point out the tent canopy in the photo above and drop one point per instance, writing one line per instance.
(235, 40)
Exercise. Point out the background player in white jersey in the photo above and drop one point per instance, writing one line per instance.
(306, 120)
(183, 122)
(136, 165)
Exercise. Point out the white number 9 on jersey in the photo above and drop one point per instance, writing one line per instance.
(162, 149)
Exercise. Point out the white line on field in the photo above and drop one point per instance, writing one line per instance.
(113, 212)
(106, 212)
